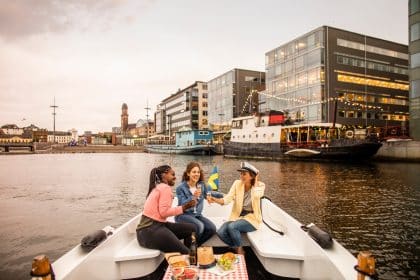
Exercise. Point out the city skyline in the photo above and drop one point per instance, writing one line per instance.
(95, 56)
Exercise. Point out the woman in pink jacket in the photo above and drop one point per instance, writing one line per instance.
(154, 231)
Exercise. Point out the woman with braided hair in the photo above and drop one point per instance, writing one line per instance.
(154, 231)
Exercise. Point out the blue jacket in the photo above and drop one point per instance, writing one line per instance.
(184, 195)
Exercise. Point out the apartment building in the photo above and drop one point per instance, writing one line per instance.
(185, 109)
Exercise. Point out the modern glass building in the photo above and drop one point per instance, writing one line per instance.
(233, 94)
(331, 75)
(414, 50)
(186, 108)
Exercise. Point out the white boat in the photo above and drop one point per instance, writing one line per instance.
(293, 254)
(268, 136)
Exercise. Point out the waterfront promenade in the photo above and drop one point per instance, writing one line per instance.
(390, 150)
(399, 151)
(94, 149)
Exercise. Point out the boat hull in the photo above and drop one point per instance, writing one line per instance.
(343, 149)
(186, 150)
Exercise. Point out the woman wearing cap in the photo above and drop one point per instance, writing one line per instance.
(154, 231)
(193, 187)
(246, 210)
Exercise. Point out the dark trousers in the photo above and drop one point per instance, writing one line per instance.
(166, 237)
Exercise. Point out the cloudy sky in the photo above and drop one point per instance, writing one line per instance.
(94, 55)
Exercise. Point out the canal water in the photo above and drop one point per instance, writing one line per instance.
(49, 202)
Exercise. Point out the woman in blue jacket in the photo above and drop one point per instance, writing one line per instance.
(193, 187)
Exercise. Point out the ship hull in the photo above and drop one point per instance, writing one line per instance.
(342, 149)
(185, 150)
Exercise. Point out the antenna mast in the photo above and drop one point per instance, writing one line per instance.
(147, 120)
(54, 106)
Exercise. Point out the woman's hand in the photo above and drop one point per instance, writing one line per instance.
(217, 200)
(209, 198)
(188, 205)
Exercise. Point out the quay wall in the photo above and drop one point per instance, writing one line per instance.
(93, 149)
(399, 151)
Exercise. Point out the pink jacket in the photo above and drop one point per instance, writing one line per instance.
(158, 205)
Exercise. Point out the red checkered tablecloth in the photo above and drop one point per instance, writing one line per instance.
(240, 272)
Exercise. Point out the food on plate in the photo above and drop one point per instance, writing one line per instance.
(184, 273)
(178, 272)
(189, 273)
(176, 260)
(226, 261)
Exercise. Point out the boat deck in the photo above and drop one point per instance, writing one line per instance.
(269, 253)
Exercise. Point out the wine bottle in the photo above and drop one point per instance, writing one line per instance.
(193, 250)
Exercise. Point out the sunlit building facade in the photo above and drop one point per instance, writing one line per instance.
(331, 75)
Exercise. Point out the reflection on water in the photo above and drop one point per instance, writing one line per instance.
(49, 202)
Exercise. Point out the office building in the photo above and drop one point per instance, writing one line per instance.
(333, 75)
(234, 94)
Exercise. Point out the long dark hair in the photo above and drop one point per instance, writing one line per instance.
(253, 178)
(190, 166)
(156, 176)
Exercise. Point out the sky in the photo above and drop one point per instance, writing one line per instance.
(94, 55)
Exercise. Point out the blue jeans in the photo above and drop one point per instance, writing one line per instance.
(204, 227)
(230, 232)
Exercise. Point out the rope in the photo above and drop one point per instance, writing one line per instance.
(270, 227)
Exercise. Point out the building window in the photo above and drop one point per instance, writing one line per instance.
(370, 82)
(415, 89)
(415, 32)
(204, 113)
(414, 6)
(369, 48)
(415, 60)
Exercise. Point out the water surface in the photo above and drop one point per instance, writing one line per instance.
(49, 202)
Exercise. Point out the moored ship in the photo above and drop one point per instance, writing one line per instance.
(269, 136)
(194, 142)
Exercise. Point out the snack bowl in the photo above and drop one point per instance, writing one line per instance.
(184, 273)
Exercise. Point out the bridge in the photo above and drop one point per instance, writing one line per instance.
(10, 146)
